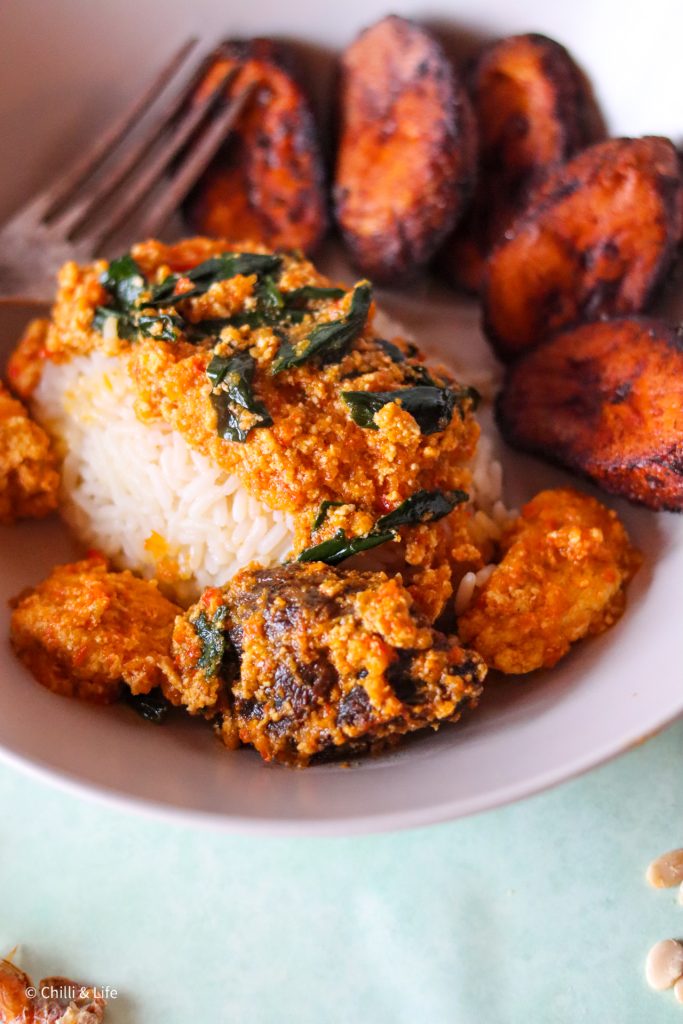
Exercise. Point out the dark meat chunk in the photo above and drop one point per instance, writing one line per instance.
(267, 183)
(304, 661)
(596, 240)
(407, 149)
(606, 400)
(534, 109)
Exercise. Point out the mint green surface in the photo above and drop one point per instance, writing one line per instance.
(535, 914)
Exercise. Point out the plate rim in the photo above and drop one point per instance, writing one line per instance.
(373, 823)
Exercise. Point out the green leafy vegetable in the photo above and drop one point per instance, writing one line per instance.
(125, 327)
(273, 308)
(393, 351)
(232, 378)
(218, 268)
(421, 507)
(312, 293)
(413, 371)
(269, 309)
(129, 325)
(325, 507)
(204, 329)
(126, 283)
(341, 547)
(430, 406)
(214, 642)
(270, 297)
(153, 707)
(330, 340)
(276, 308)
(420, 375)
(261, 318)
(163, 327)
(124, 280)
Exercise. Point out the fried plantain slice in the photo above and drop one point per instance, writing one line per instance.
(604, 399)
(534, 109)
(267, 183)
(597, 239)
(407, 148)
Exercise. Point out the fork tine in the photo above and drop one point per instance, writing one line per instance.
(150, 175)
(195, 163)
(53, 198)
(90, 197)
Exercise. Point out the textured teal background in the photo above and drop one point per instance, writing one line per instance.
(535, 914)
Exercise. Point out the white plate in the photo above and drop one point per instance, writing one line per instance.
(56, 85)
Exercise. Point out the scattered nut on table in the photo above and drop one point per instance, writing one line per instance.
(678, 990)
(664, 964)
(53, 1000)
(667, 870)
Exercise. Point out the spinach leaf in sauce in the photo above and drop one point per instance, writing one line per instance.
(232, 378)
(124, 280)
(273, 308)
(393, 351)
(125, 327)
(270, 308)
(163, 327)
(325, 507)
(341, 547)
(213, 639)
(421, 507)
(330, 340)
(270, 298)
(312, 293)
(430, 406)
(130, 324)
(217, 268)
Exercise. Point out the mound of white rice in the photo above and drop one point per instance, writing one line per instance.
(141, 495)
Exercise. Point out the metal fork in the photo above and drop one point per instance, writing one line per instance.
(77, 215)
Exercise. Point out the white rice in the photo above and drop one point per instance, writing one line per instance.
(491, 515)
(489, 519)
(141, 495)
